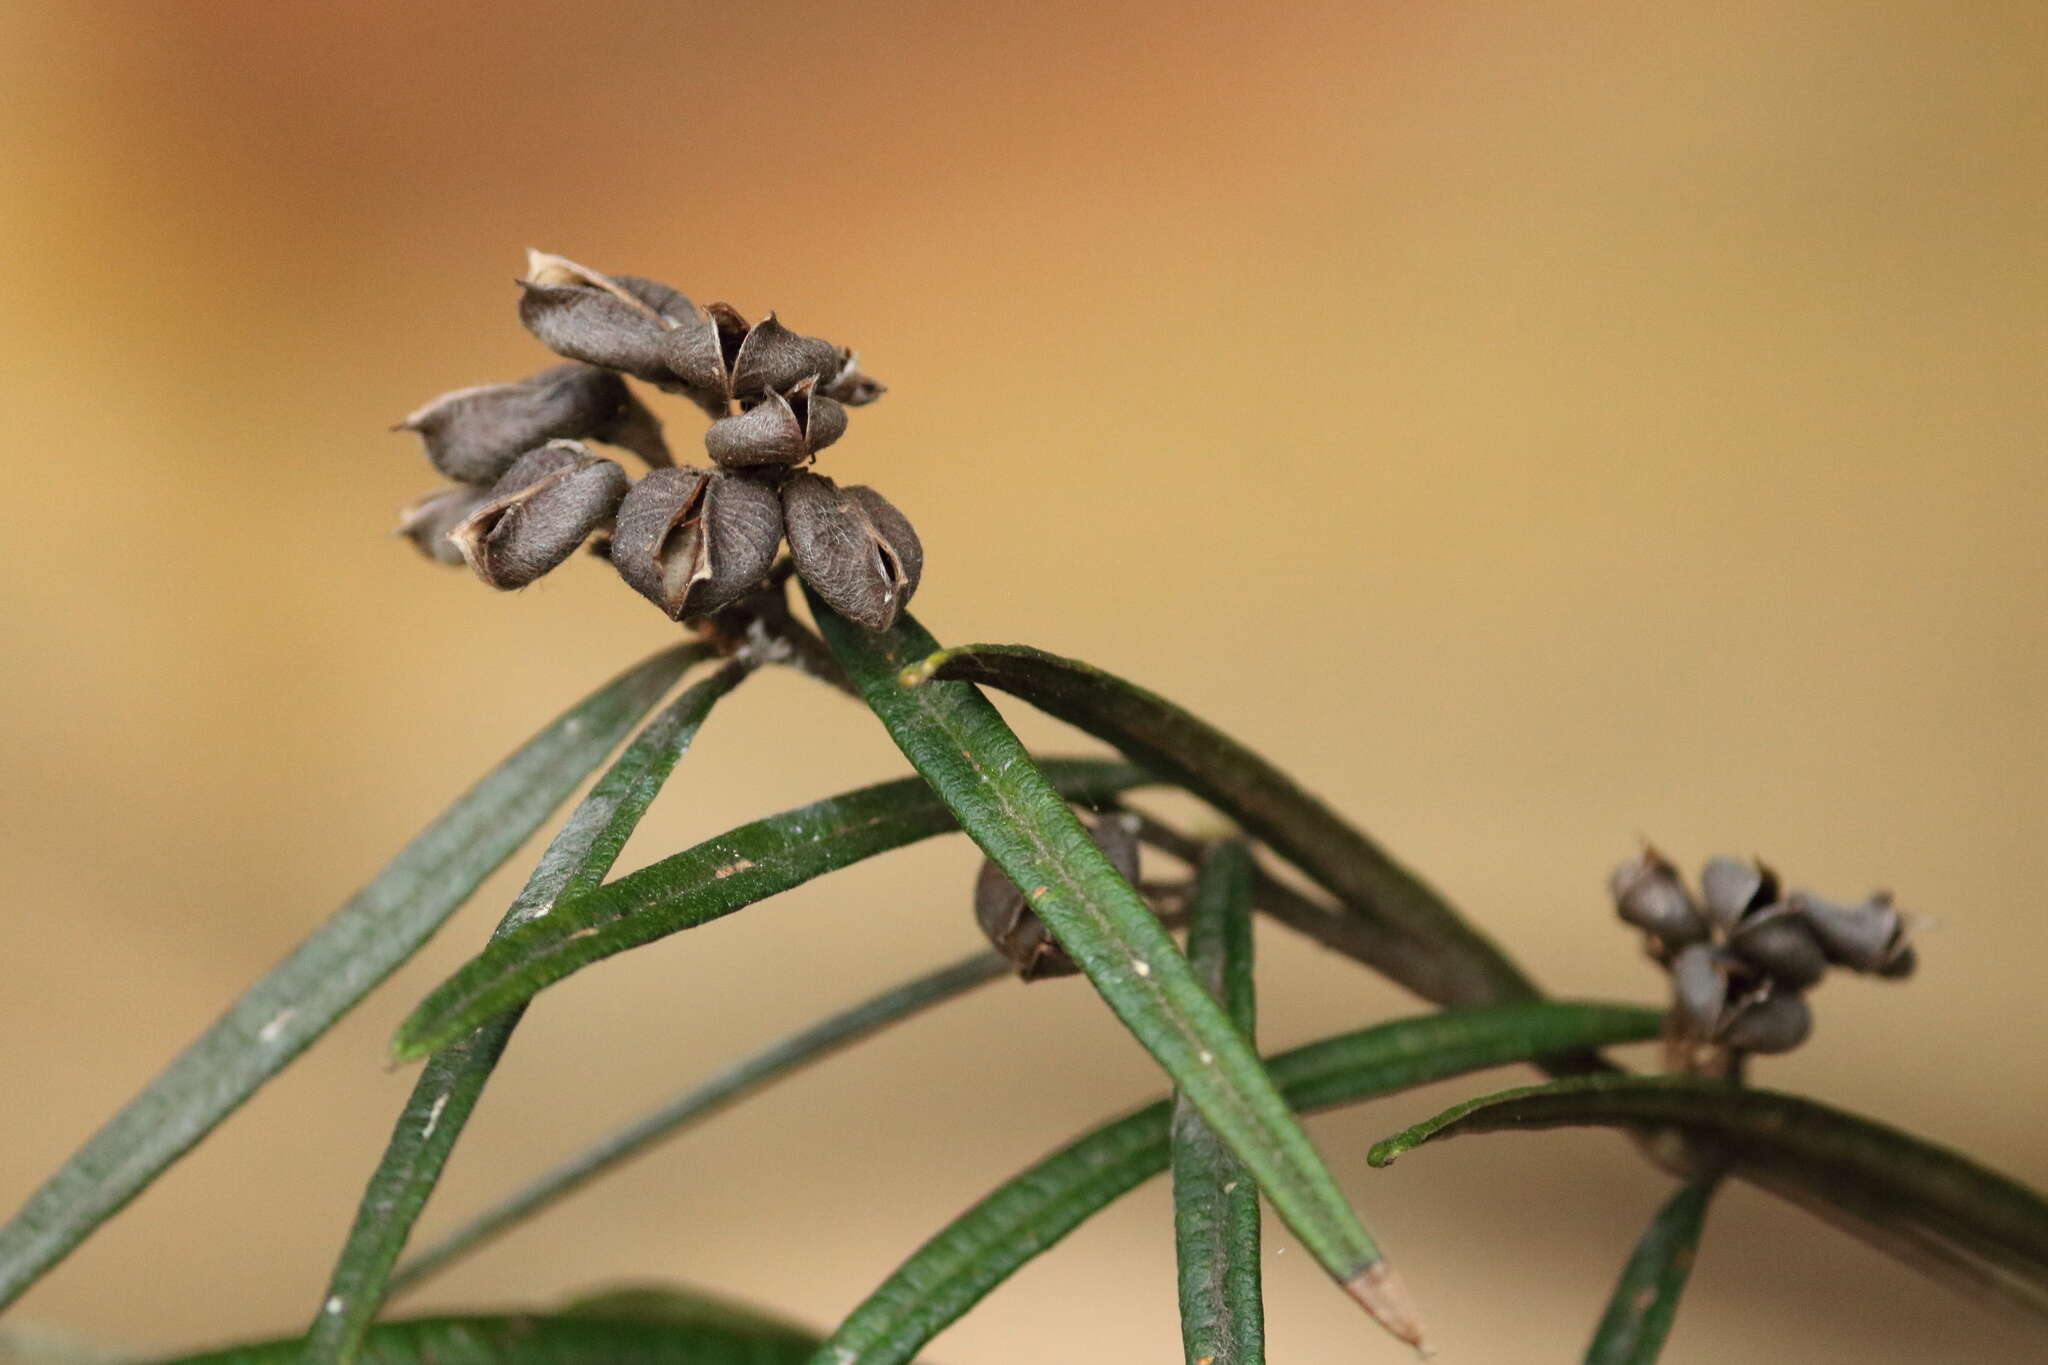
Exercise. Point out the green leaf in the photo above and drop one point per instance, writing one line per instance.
(700, 884)
(678, 1307)
(32, 1346)
(952, 735)
(447, 1091)
(987, 1244)
(1816, 1152)
(1638, 1317)
(340, 963)
(1215, 1202)
(631, 1336)
(1461, 967)
(725, 1088)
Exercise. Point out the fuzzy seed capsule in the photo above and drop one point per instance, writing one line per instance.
(547, 504)
(772, 358)
(1864, 938)
(692, 541)
(853, 548)
(427, 522)
(850, 386)
(584, 314)
(1732, 888)
(1779, 940)
(1006, 917)
(1649, 894)
(473, 435)
(1777, 1022)
(779, 429)
(718, 357)
(1699, 991)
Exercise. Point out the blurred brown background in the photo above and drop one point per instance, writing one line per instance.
(1537, 426)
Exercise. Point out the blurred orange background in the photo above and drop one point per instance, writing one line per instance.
(1536, 426)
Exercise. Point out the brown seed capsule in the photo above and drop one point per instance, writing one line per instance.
(1005, 914)
(854, 549)
(1649, 894)
(717, 357)
(547, 504)
(692, 541)
(700, 354)
(774, 359)
(850, 386)
(1699, 991)
(586, 315)
(473, 435)
(1779, 940)
(1777, 1022)
(779, 429)
(1733, 888)
(427, 522)
(1861, 937)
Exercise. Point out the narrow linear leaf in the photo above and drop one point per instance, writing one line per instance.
(341, 962)
(989, 1242)
(32, 1346)
(1184, 749)
(727, 1087)
(1638, 1317)
(446, 1093)
(576, 1338)
(703, 883)
(1834, 1158)
(1215, 1201)
(953, 736)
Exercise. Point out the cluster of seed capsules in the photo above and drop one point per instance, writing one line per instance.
(528, 491)
(1743, 955)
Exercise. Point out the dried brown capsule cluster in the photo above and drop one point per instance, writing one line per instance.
(528, 491)
(1004, 910)
(1743, 954)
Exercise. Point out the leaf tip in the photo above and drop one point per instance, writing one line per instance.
(922, 672)
(1382, 1153)
(1379, 1289)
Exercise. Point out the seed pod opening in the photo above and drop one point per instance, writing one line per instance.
(547, 504)
(427, 522)
(692, 541)
(853, 548)
(1732, 888)
(1779, 940)
(1777, 1022)
(699, 354)
(584, 314)
(1005, 915)
(1649, 894)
